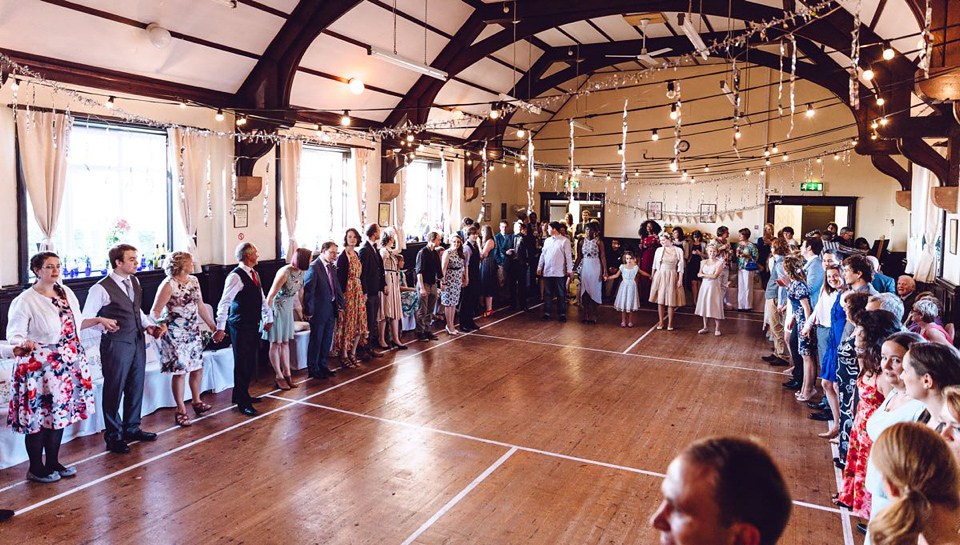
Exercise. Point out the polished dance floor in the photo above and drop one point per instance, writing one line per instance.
(522, 432)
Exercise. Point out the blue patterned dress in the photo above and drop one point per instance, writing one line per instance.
(282, 308)
(797, 292)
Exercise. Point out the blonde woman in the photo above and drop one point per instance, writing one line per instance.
(710, 296)
(179, 304)
(666, 290)
(923, 478)
(950, 416)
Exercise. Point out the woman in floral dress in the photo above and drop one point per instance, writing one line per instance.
(179, 304)
(455, 278)
(848, 370)
(287, 286)
(352, 324)
(51, 385)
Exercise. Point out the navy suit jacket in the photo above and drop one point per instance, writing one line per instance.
(317, 302)
(884, 284)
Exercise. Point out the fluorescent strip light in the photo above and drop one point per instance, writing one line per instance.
(525, 106)
(582, 125)
(409, 64)
(687, 26)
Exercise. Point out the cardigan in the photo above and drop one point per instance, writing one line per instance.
(33, 317)
(658, 255)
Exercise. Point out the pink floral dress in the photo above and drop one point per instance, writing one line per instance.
(52, 387)
(853, 492)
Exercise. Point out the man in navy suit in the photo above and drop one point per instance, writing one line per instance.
(881, 282)
(322, 302)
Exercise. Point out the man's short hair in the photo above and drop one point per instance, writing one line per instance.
(467, 221)
(372, 229)
(326, 245)
(846, 230)
(243, 249)
(788, 229)
(815, 244)
(859, 264)
(889, 301)
(874, 262)
(432, 235)
(504, 222)
(748, 485)
(116, 253)
(472, 230)
(555, 225)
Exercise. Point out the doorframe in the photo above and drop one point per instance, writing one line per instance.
(547, 196)
(794, 200)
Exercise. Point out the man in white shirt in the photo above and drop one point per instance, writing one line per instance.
(123, 350)
(555, 266)
(241, 310)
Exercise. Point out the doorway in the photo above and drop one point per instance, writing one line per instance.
(555, 206)
(805, 214)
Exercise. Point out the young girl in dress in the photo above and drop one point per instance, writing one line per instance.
(627, 300)
(710, 296)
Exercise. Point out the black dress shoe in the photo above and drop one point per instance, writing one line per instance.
(6, 514)
(821, 405)
(117, 446)
(326, 373)
(432, 337)
(769, 359)
(779, 362)
(545, 317)
(862, 528)
(139, 435)
(792, 385)
(248, 410)
(837, 462)
(563, 318)
(256, 399)
(821, 416)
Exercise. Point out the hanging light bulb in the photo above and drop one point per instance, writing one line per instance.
(109, 103)
(888, 52)
(469, 161)
(671, 90)
(683, 175)
(608, 177)
(536, 172)
(356, 85)
(636, 173)
(241, 121)
(326, 136)
(619, 149)
(785, 157)
(737, 134)
(590, 173)
(873, 136)
(409, 137)
(874, 125)
(775, 149)
(747, 172)
(836, 156)
(16, 84)
(810, 110)
(766, 151)
(868, 74)
(763, 172)
(521, 133)
(692, 179)
(819, 160)
(673, 112)
(345, 119)
(494, 112)
(654, 136)
(767, 162)
(706, 168)
(523, 156)
(183, 105)
(219, 116)
(674, 166)
(883, 121)
(420, 148)
(880, 101)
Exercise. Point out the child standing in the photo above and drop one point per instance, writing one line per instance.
(628, 299)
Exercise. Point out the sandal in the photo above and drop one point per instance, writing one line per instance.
(181, 419)
(702, 331)
(200, 407)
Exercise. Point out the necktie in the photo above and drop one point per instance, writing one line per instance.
(129, 288)
(256, 279)
(333, 291)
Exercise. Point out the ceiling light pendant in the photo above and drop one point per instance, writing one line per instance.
(810, 110)
(674, 166)
(766, 151)
(775, 149)
(325, 137)
(158, 36)
(654, 136)
(785, 157)
(636, 173)
(494, 112)
(356, 85)
(747, 171)
(183, 105)
(16, 84)
(521, 133)
(683, 175)
(241, 121)
(619, 149)
(457, 114)
(736, 133)
(767, 162)
(706, 168)
(836, 156)
(590, 173)
(345, 119)
(880, 101)
(409, 64)
(888, 52)
(868, 74)
(874, 125)
(883, 121)
(674, 114)
(219, 116)
(109, 103)
(409, 137)
(819, 160)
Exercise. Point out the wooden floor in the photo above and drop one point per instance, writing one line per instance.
(522, 432)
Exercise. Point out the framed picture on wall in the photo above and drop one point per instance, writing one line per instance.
(655, 210)
(383, 215)
(952, 237)
(503, 210)
(486, 213)
(708, 213)
(240, 216)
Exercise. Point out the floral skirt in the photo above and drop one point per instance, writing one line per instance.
(50, 392)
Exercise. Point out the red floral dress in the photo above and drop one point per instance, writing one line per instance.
(853, 492)
(353, 321)
(52, 387)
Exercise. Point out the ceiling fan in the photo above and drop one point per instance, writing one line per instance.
(645, 57)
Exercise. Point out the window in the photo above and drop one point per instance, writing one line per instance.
(327, 200)
(423, 198)
(117, 189)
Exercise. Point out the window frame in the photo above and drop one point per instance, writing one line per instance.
(347, 157)
(23, 215)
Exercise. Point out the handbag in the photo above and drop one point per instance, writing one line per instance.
(750, 266)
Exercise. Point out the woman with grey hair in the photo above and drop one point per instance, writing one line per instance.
(886, 301)
(179, 304)
(924, 314)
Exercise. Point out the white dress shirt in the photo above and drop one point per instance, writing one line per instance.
(824, 307)
(230, 290)
(556, 259)
(33, 317)
(97, 298)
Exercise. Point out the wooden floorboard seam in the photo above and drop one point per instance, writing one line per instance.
(519, 447)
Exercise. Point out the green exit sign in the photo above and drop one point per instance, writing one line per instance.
(811, 186)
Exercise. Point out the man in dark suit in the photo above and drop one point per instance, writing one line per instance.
(907, 290)
(373, 279)
(503, 252)
(322, 302)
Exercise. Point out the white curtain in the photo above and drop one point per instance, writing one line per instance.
(925, 224)
(453, 196)
(192, 149)
(43, 139)
(290, 153)
(398, 204)
(361, 158)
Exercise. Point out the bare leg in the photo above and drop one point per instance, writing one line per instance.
(718, 325)
(660, 314)
(396, 330)
(695, 287)
(833, 399)
(809, 384)
(275, 360)
(489, 304)
(670, 317)
(177, 385)
(285, 358)
(196, 385)
(382, 330)
(706, 322)
(448, 313)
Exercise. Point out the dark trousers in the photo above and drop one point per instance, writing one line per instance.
(795, 356)
(321, 340)
(555, 289)
(246, 358)
(517, 284)
(373, 308)
(469, 301)
(124, 366)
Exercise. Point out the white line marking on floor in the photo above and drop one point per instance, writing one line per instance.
(642, 337)
(519, 447)
(456, 499)
(844, 513)
(708, 364)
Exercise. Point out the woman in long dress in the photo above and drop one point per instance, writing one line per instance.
(591, 262)
(391, 307)
(649, 243)
(454, 279)
(51, 384)
(352, 324)
(710, 295)
(666, 290)
(692, 268)
(179, 304)
(287, 285)
(489, 283)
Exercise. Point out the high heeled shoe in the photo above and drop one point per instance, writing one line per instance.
(276, 382)
(804, 398)
(290, 381)
(452, 331)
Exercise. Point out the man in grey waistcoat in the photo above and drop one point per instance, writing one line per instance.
(122, 348)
